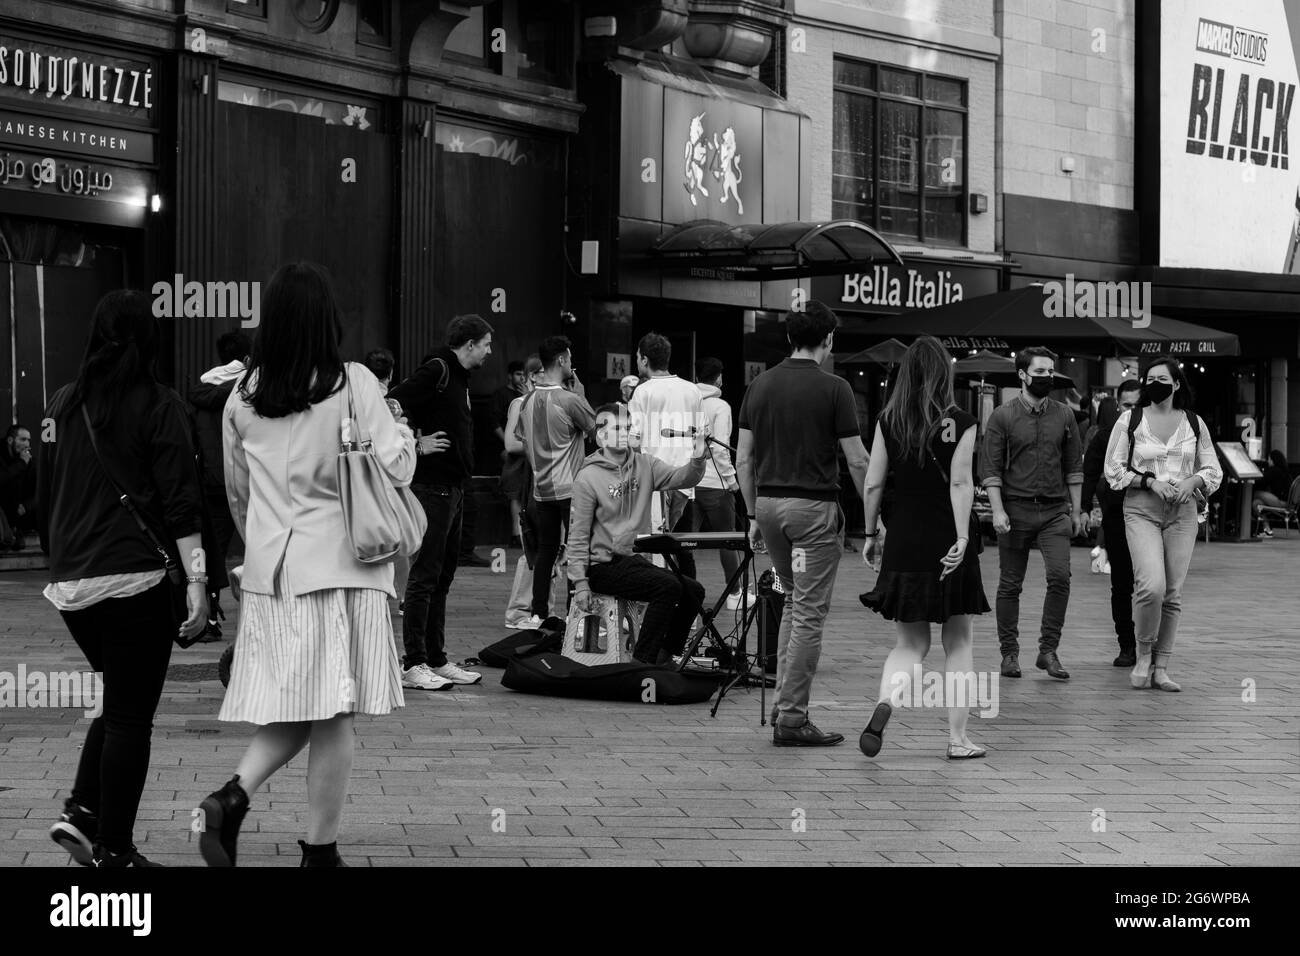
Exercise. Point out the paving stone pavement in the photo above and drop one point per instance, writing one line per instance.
(1082, 772)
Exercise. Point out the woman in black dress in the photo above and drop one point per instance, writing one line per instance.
(930, 572)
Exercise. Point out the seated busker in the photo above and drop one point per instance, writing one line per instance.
(611, 506)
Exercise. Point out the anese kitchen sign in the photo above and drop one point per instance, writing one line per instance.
(1228, 168)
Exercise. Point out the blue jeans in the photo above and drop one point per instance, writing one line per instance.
(805, 539)
(1049, 524)
(424, 609)
(1161, 536)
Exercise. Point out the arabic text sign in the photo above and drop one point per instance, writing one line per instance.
(46, 174)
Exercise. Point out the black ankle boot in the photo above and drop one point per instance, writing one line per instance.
(326, 854)
(223, 814)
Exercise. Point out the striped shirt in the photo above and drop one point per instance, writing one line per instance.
(552, 424)
(1172, 461)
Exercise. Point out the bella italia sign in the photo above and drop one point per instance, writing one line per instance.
(887, 288)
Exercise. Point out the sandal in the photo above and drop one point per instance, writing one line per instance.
(965, 751)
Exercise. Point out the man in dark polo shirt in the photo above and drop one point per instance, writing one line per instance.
(436, 401)
(1033, 467)
(792, 420)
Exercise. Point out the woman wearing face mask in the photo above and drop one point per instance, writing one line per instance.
(1168, 463)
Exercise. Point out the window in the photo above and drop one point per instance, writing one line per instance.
(545, 43)
(373, 23)
(249, 8)
(469, 39)
(899, 152)
(771, 73)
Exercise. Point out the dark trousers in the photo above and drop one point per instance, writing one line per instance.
(715, 510)
(468, 522)
(1121, 572)
(1049, 525)
(129, 642)
(684, 509)
(223, 537)
(550, 519)
(424, 608)
(671, 610)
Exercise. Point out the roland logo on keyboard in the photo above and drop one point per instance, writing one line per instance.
(692, 541)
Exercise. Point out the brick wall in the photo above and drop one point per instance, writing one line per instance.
(1065, 94)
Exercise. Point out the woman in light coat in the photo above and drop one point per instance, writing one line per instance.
(315, 643)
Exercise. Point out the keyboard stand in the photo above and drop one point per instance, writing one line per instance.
(735, 659)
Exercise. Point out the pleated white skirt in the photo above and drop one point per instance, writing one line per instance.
(313, 657)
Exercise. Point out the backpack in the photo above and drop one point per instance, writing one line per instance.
(444, 377)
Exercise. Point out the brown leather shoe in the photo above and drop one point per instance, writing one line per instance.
(1052, 664)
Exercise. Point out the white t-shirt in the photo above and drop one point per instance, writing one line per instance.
(666, 402)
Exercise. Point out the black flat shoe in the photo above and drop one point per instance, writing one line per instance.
(1125, 659)
(806, 736)
(872, 738)
(223, 814)
(1010, 665)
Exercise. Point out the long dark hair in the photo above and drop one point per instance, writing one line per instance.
(1107, 414)
(1183, 397)
(121, 353)
(921, 396)
(296, 350)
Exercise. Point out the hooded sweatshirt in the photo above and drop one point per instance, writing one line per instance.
(611, 505)
(721, 474)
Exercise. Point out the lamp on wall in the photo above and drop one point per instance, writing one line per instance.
(423, 129)
(155, 203)
(979, 203)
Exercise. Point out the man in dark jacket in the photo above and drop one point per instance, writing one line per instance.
(208, 399)
(1112, 519)
(436, 401)
(18, 482)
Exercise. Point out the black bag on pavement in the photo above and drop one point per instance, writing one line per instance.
(549, 638)
(555, 676)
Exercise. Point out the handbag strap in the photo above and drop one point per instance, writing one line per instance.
(358, 437)
(123, 498)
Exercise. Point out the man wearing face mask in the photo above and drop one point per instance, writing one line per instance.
(1033, 470)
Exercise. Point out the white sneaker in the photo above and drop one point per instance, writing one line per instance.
(1105, 568)
(1095, 551)
(525, 623)
(734, 600)
(450, 672)
(423, 677)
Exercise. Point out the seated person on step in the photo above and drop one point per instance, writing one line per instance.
(611, 506)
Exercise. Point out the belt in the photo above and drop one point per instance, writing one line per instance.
(1037, 499)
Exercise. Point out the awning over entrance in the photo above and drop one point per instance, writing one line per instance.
(1037, 315)
(788, 250)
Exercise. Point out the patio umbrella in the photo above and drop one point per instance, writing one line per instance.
(888, 353)
(999, 368)
(1020, 317)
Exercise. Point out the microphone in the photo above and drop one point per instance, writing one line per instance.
(676, 433)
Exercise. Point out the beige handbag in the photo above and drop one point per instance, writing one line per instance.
(382, 521)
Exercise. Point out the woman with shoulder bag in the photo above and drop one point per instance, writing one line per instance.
(930, 570)
(315, 644)
(1162, 472)
(117, 433)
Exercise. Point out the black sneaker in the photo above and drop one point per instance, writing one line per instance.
(132, 857)
(76, 831)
